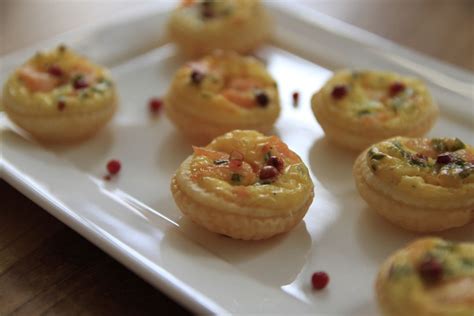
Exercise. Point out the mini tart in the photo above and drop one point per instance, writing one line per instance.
(430, 277)
(420, 184)
(359, 108)
(59, 96)
(219, 93)
(199, 27)
(244, 185)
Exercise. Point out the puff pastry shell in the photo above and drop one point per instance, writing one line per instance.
(219, 93)
(233, 199)
(359, 108)
(60, 96)
(199, 27)
(420, 184)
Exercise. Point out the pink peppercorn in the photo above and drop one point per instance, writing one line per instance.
(339, 92)
(319, 280)
(296, 97)
(430, 270)
(395, 88)
(268, 172)
(55, 70)
(113, 166)
(155, 105)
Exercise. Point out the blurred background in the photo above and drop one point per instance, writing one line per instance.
(440, 28)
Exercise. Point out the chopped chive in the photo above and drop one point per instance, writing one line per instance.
(220, 161)
(363, 112)
(235, 177)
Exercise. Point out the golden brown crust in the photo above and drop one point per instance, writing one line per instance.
(235, 225)
(72, 128)
(200, 132)
(360, 139)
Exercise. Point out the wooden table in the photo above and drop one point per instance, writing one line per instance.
(46, 268)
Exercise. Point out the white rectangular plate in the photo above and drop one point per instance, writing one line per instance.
(134, 218)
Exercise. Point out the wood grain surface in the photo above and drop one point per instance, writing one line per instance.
(47, 269)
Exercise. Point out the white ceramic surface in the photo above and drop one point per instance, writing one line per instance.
(134, 218)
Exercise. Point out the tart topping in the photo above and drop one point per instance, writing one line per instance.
(339, 92)
(443, 159)
(319, 280)
(451, 167)
(447, 144)
(236, 159)
(245, 92)
(79, 82)
(37, 80)
(268, 172)
(399, 270)
(47, 72)
(276, 162)
(236, 155)
(221, 161)
(375, 154)
(395, 88)
(196, 76)
(418, 160)
(235, 178)
(430, 269)
(235, 164)
(255, 164)
(55, 71)
(261, 98)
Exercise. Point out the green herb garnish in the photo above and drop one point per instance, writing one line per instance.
(84, 95)
(417, 161)
(405, 154)
(235, 177)
(375, 154)
(457, 145)
(355, 75)
(77, 77)
(467, 171)
(399, 271)
(397, 103)
(101, 87)
(220, 161)
(438, 144)
(445, 144)
(363, 112)
(206, 94)
(468, 262)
